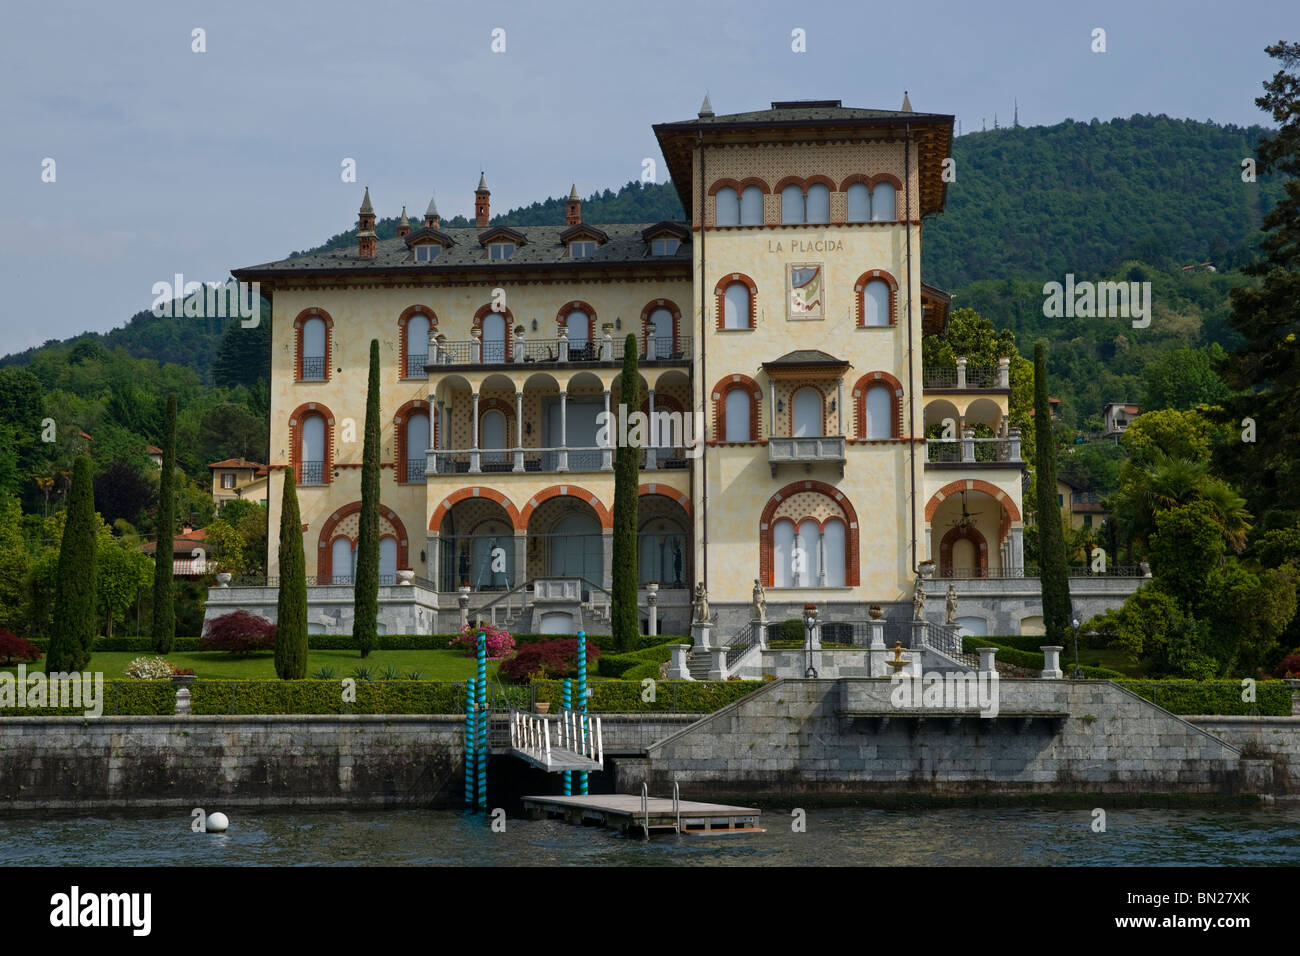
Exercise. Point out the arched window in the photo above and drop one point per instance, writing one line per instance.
(343, 561)
(875, 303)
(313, 350)
(882, 203)
(833, 552)
(417, 346)
(751, 206)
(817, 208)
(880, 412)
(492, 436)
(782, 552)
(312, 466)
(859, 200)
(736, 308)
(728, 207)
(739, 414)
(579, 326)
(792, 205)
(807, 409)
(494, 337)
(417, 444)
(387, 561)
(660, 326)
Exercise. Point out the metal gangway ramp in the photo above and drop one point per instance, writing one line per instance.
(572, 742)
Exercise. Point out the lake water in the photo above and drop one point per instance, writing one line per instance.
(834, 837)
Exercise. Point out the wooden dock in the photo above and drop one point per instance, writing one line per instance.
(647, 815)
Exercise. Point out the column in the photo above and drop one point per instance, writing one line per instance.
(1004, 372)
(521, 558)
(607, 558)
(431, 544)
(1013, 437)
(473, 455)
(519, 431)
(1018, 549)
(929, 552)
(968, 444)
(876, 650)
(652, 599)
(821, 559)
(986, 659)
(677, 669)
(961, 372)
(563, 463)
(607, 454)
(652, 449)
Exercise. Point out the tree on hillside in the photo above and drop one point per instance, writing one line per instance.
(365, 614)
(1267, 366)
(164, 617)
(1185, 378)
(244, 355)
(122, 492)
(231, 430)
(1053, 574)
(291, 609)
(73, 634)
(627, 462)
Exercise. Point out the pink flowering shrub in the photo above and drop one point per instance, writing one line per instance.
(499, 642)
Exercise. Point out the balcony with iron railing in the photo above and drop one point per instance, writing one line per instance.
(970, 451)
(560, 350)
(457, 461)
(964, 377)
(311, 473)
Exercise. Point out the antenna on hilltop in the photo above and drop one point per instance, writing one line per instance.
(1016, 121)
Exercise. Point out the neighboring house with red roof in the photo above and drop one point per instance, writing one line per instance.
(189, 553)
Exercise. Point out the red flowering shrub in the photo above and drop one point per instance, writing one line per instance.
(547, 659)
(14, 648)
(239, 633)
(1290, 666)
(499, 642)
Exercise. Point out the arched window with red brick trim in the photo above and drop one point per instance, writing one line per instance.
(737, 406)
(497, 331)
(736, 298)
(312, 345)
(412, 438)
(579, 321)
(875, 297)
(661, 320)
(878, 406)
(808, 538)
(311, 444)
(413, 328)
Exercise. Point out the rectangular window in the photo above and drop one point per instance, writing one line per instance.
(664, 247)
(227, 480)
(1087, 521)
(427, 253)
(1060, 501)
(500, 251)
(582, 249)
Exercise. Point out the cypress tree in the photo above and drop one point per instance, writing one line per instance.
(291, 611)
(365, 614)
(164, 617)
(627, 462)
(1053, 576)
(74, 591)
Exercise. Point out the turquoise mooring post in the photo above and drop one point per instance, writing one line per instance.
(568, 705)
(471, 731)
(582, 702)
(481, 747)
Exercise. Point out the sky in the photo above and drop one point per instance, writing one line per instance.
(168, 160)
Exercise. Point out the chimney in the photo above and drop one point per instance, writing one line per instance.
(366, 237)
(431, 218)
(573, 211)
(403, 225)
(481, 202)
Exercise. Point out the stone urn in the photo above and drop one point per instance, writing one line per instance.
(223, 579)
(876, 612)
(542, 707)
(405, 576)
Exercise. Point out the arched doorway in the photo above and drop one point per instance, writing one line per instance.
(663, 542)
(494, 337)
(565, 540)
(963, 553)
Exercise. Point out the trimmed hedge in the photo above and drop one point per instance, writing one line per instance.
(444, 697)
(134, 698)
(1273, 698)
(1034, 661)
(618, 665)
(326, 697)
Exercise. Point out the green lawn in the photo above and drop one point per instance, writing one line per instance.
(432, 665)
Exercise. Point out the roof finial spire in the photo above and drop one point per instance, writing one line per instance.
(366, 208)
(706, 108)
(907, 103)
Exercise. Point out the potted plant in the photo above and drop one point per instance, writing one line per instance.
(405, 575)
(184, 676)
(876, 612)
(223, 577)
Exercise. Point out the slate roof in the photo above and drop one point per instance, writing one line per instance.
(543, 247)
(806, 357)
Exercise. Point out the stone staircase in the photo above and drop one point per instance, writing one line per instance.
(698, 663)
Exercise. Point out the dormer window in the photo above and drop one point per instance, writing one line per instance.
(582, 248)
(427, 253)
(665, 247)
(500, 251)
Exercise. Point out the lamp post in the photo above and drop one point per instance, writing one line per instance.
(810, 625)
(1077, 673)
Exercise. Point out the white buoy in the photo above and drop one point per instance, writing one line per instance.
(217, 823)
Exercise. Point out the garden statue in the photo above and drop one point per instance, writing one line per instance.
(918, 602)
(700, 612)
(760, 602)
(950, 608)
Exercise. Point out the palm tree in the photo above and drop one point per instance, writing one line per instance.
(1168, 482)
